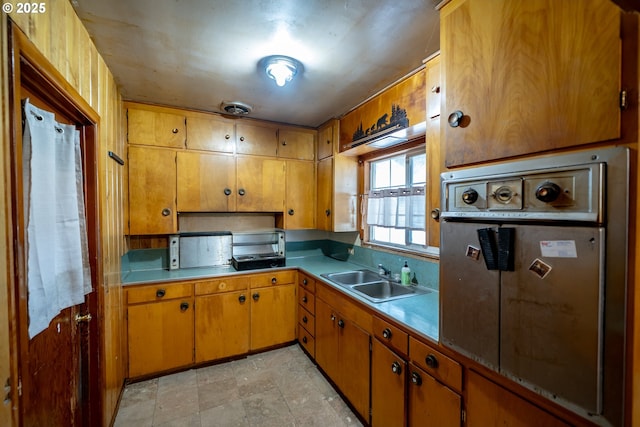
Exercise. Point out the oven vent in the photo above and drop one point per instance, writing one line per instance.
(236, 108)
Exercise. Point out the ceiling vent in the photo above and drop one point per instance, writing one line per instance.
(236, 108)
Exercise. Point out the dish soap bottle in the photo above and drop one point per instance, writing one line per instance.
(405, 274)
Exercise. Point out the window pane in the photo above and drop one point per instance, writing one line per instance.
(397, 236)
(418, 237)
(419, 169)
(380, 172)
(398, 174)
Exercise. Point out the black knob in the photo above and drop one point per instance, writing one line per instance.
(431, 361)
(227, 191)
(242, 298)
(327, 212)
(304, 319)
(174, 130)
(256, 296)
(470, 196)
(241, 192)
(304, 282)
(387, 333)
(304, 339)
(547, 192)
(290, 212)
(396, 368)
(304, 299)
(416, 378)
(160, 293)
(455, 118)
(184, 306)
(274, 280)
(341, 323)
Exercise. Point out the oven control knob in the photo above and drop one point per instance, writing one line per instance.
(547, 192)
(470, 196)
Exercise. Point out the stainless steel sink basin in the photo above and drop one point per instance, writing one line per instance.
(387, 291)
(354, 277)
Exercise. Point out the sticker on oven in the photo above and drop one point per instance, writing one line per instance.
(540, 268)
(558, 249)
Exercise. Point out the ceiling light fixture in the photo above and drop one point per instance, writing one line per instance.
(281, 68)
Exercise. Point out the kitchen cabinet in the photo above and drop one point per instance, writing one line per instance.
(259, 184)
(325, 141)
(489, 404)
(342, 347)
(160, 328)
(206, 182)
(296, 143)
(152, 191)
(388, 387)
(256, 138)
(157, 126)
(300, 195)
(222, 318)
(432, 140)
(307, 313)
(210, 132)
(273, 309)
(538, 78)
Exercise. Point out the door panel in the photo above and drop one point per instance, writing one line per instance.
(552, 326)
(469, 295)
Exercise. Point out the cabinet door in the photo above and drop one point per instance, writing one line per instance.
(260, 184)
(300, 198)
(325, 142)
(354, 360)
(327, 339)
(206, 182)
(388, 382)
(256, 139)
(324, 220)
(537, 78)
(432, 137)
(296, 144)
(431, 404)
(155, 128)
(222, 325)
(152, 191)
(273, 316)
(211, 133)
(160, 336)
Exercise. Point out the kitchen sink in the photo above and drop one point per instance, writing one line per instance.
(354, 277)
(387, 291)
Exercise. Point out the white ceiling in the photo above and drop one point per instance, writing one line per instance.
(197, 53)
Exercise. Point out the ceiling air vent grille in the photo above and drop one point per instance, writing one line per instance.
(236, 108)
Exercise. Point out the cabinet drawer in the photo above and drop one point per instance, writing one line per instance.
(159, 292)
(441, 367)
(272, 279)
(225, 284)
(307, 300)
(307, 320)
(392, 336)
(307, 283)
(307, 341)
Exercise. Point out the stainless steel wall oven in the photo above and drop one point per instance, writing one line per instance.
(533, 274)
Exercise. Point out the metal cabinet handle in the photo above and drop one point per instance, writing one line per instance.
(333, 318)
(341, 323)
(416, 378)
(241, 192)
(227, 191)
(327, 212)
(242, 298)
(290, 212)
(160, 293)
(274, 280)
(328, 141)
(166, 212)
(304, 299)
(455, 118)
(396, 368)
(80, 318)
(304, 319)
(242, 138)
(435, 89)
(304, 282)
(227, 136)
(284, 142)
(256, 296)
(304, 339)
(435, 213)
(184, 306)
(174, 130)
(387, 333)
(431, 361)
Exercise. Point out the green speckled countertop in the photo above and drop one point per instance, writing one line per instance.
(418, 313)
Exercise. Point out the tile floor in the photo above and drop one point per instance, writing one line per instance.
(278, 388)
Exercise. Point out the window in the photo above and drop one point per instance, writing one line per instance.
(395, 207)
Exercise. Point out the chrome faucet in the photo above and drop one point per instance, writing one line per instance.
(383, 271)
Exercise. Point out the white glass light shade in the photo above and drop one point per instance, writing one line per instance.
(281, 68)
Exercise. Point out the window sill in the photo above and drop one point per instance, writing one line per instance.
(431, 252)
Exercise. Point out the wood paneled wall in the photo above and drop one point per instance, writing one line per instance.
(61, 37)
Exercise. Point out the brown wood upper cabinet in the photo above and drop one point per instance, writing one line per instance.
(210, 132)
(325, 141)
(538, 78)
(256, 138)
(156, 126)
(296, 143)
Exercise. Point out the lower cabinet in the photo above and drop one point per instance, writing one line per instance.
(388, 387)
(160, 321)
(342, 351)
(430, 402)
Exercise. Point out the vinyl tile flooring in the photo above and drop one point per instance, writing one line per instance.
(279, 388)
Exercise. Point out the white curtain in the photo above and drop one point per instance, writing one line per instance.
(58, 270)
(397, 208)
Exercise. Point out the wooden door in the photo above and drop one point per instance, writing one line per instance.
(355, 363)
(152, 191)
(300, 200)
(327, 339)
(206, 182)
(158, 127)
(255, 138)
(324, 220)
(160, 336)
(221, 325)
(260, 184)
(431, 403)
(273, 315)
(296, 144)
(388, 385)
(529, 76)
(210, 132)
